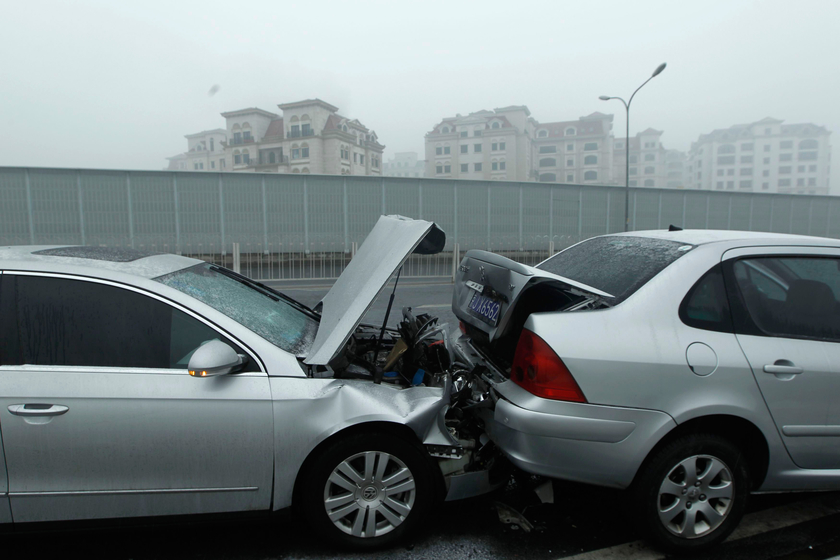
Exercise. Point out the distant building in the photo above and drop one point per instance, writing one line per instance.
(205, 152)
(405, 164)
(310, 137)
(493, 145)
(648, 165)
(764, 156)
(579, 151)
(508, 144)
(676, 163)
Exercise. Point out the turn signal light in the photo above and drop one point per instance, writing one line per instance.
(540, 371)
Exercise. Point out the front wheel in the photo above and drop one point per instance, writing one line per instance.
(369, 490)
(692, 493)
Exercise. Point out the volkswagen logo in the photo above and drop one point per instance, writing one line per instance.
(369, 493)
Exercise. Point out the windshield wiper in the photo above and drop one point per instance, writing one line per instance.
(292, 301)
(265, 290)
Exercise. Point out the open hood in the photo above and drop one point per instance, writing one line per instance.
(386, 248)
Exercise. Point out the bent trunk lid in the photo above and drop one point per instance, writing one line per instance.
(502, 280)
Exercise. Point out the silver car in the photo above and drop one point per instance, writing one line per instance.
(136, 384)
(689, 367)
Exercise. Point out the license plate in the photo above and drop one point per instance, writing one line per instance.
(487, 309)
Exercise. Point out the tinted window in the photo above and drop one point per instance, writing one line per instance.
(618, 265)
(791, 296)
(705, 306)
(64, 322)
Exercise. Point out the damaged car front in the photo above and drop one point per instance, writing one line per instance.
(376, 426)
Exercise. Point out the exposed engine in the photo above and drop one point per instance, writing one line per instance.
(417, 353)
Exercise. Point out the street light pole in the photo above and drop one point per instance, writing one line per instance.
(626, 104)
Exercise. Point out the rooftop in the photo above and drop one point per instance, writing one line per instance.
(706, 236)
(249, 111)
(206, 132)
(307, 103)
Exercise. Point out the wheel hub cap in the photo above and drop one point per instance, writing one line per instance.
(369, 494)
(696, 496)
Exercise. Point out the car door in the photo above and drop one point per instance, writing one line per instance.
(100, 417)
(787, 319)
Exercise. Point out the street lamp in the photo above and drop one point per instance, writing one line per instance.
(656, 72)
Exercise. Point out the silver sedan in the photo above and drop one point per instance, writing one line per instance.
(137, 384)
(689, 367)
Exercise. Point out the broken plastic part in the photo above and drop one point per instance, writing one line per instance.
(510, 516)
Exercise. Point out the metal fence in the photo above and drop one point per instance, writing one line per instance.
(289, 226)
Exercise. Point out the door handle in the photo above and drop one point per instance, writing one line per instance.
(783, 367)
(36, 409)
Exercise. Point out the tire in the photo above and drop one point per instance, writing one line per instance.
(681, 512)
(344, 500)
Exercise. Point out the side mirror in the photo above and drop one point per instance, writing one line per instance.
(215, 358)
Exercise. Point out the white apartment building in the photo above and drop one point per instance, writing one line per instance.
(494, 145)
(579, 151)
(508, 144)
(205, 152)
(405, 164)
(309, 137)
(676, 163)
(764, 156)
(649, 161)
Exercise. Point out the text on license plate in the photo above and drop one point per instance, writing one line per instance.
(486, 308)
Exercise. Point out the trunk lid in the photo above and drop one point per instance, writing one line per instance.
(386, 248)
(489, 287)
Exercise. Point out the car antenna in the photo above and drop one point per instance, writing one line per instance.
(672, 227)
(377, 376)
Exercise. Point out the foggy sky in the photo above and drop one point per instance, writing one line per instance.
(108, 84)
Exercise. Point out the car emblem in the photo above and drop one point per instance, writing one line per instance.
(369, 493)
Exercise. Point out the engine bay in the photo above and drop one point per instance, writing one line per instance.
(417, 353)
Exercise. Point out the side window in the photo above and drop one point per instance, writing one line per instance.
(65, 322)
(705, 306)
(794, 297)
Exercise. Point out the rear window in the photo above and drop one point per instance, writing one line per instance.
(617, 265)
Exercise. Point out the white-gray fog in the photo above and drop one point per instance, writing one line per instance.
(117, 85)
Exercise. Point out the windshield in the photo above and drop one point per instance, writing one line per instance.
(618, 265)
(250, 305)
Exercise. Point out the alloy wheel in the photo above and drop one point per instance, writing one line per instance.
(369, 494)
(696, 496)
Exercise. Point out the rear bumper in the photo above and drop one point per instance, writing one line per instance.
(595, 444)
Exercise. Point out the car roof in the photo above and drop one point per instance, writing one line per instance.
(709, 236)
(95, 260)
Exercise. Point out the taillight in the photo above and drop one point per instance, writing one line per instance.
(462, 327)
(538, 370)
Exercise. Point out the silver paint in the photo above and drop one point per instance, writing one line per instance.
(632, 363)
(388, 245)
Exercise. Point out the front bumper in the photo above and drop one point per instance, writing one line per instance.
(601, 445)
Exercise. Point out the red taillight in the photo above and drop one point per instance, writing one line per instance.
(462, 327)
(538, 370)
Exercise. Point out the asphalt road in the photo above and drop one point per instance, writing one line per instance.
(423, 296)
(583, 522)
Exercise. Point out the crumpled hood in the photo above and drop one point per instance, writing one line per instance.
(388, 245)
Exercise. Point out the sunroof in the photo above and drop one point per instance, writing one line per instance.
(113, 254)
